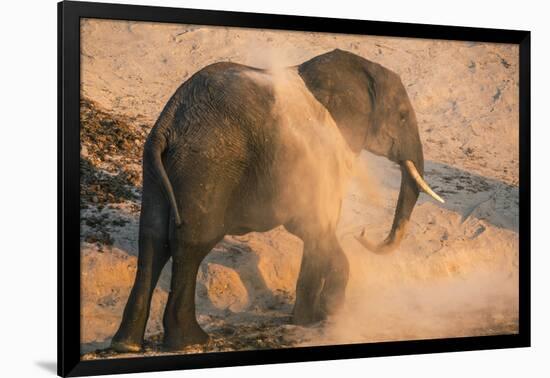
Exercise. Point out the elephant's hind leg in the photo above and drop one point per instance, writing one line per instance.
(180, 323)
(153, 255)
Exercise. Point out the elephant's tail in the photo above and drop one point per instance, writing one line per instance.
(152, 155)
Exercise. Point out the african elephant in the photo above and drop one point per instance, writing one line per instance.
(239, 149)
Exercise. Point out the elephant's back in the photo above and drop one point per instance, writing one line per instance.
(226, 92)
(221, 112)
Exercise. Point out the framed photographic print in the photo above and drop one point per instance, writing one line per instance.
(241, 188)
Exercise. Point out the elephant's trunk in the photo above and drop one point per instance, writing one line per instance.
(411, 183)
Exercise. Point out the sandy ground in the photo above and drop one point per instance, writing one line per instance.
(456, 273)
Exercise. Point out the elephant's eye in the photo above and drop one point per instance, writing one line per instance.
(402, 116)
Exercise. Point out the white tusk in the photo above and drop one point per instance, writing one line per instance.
(420, 181)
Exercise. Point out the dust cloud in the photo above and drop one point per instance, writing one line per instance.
(312, 162)
(467, 286)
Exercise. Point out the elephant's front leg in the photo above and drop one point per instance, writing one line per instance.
(307, 308)
(322, 281)
(336, 279)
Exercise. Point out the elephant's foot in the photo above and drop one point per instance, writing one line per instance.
(125, 346)
(174, 341)
(308, 317)
(332, 303)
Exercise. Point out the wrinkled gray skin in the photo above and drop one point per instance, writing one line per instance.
(212, 166)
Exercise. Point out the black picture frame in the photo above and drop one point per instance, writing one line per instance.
(69, 15)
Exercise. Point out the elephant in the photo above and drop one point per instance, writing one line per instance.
(238, 149)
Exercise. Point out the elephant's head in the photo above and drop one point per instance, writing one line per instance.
(372, 109)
